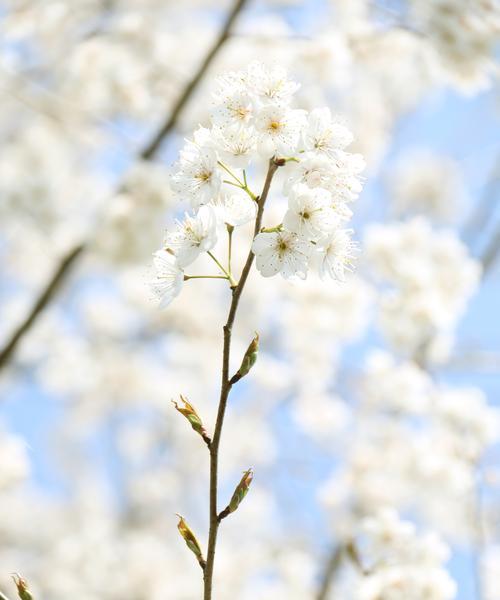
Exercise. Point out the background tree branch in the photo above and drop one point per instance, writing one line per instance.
(332, 566)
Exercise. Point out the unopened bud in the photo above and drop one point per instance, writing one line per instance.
(192, 416)
(22, 587)
(241, 490)
(191, 541)
(248, 359)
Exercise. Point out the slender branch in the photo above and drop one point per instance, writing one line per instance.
(331, 569)
(226, 386)
(69, 260)
(3, 596)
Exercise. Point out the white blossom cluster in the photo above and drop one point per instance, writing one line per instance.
(431, 277)
(415, 445)
(403, 564)
(251, 118)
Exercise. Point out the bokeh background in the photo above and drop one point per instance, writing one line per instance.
(94, 461)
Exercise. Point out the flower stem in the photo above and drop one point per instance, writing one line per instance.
(239, 184)
(226, 273)
(230, 230)
(228, 170)
(226, 386)
(188, 277)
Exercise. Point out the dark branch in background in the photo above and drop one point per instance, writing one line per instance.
(152, 147)
(479, 217)
(150, 150)
(491, 252)
(328, 576)
(48, 292)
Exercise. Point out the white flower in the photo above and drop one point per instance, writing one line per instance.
(279, 129)
(310, 213)
(324, 134)
(193, 236)
(335, 255)
(281, 252)
(233, 103)
(236, 209)
(197, 177)
(345, 182)
(338, 173)
(270, 84)
(235, 145)
(169, 278)
(313, 170)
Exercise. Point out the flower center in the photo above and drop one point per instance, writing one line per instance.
(274, 125)
(204, 175)
(242, 112)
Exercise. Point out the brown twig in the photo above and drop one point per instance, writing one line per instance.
(226, 386)
(69, 260)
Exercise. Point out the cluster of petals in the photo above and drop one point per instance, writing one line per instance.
(252, 120)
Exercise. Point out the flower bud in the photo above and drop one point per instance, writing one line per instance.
(22, 587)
(191, 541)
(241, 491)
(248, 360)
(192, 416)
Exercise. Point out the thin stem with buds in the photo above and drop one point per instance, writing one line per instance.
(226, 386)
